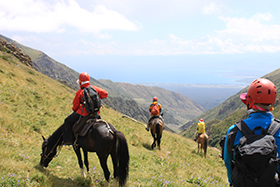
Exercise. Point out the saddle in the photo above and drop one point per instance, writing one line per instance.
(81, 127)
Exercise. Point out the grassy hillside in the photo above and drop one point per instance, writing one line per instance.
(178, 108)
(33, 105)
(220, 118)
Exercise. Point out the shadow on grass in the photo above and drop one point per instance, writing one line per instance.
(48, 179)
(201, 154)
(147, 146)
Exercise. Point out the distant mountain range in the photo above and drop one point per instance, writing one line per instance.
(129, 99)
(220, 118)
(206, 95)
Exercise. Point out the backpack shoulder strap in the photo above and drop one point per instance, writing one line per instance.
(230, 140)
(241, 125)
(273, 127)
(90, 87)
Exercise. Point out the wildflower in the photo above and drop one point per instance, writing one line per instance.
(166, 182)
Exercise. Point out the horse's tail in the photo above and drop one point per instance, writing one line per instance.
(205, 142)
(123, 157)
(158, 130)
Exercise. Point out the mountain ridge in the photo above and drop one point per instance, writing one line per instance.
(118, 99)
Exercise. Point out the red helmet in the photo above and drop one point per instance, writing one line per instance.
(84, 77)
(201, 120)
(155, 99)
(260, 91)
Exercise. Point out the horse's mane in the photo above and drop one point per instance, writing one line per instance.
(58, 133)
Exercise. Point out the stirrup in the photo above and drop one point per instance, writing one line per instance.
(75, 144)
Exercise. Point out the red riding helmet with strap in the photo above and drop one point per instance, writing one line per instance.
(261, 91)
(84, 76)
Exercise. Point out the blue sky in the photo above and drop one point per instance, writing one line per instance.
(178, 41)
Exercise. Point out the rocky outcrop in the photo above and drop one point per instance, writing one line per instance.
(11, 48)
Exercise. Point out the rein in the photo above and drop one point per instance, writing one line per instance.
(47, 156)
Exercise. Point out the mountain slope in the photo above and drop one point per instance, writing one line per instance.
(174, 104)
(220, 118)
(33, 105)
(178, 108)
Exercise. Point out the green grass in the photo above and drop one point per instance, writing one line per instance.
(33, 105)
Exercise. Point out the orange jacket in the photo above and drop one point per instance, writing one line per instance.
(158, 105)
(78, 99)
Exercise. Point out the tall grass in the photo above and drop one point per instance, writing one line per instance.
(33, 105)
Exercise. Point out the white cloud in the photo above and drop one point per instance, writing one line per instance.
(240, 35)
(250, 29)
(39, 16)
(211, 9)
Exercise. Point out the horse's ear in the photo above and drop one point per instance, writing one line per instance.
(43, 138)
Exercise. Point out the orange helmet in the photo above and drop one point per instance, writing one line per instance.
(83, 78)
(261, 91)
(155, 99)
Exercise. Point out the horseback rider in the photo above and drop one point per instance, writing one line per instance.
(200, 129)
(155, 110)
(259, 99)
(83, 81)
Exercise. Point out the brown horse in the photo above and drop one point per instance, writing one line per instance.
(203, 141)
(156, 126)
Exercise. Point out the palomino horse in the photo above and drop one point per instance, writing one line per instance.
(156, 126)
(203, 141)
(102, 138)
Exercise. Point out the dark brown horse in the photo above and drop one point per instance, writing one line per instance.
(102, 138)
(156, 126)
(203, 141)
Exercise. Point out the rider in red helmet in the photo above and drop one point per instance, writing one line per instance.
(155, 110)
(83, 81)
(259, 99)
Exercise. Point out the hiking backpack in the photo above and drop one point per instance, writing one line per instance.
(256, 158)
(91, 100)
(154, 110)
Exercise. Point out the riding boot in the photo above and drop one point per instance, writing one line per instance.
(196, 136)
(147, 128)
(68, 136)
(148, 124)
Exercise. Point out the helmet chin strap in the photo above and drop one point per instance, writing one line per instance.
(84, 82)
(263, 107)
(81, 83)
